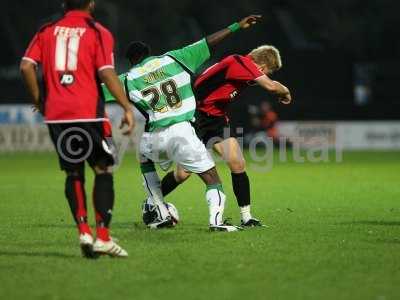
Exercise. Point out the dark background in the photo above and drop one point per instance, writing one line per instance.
(329, 48)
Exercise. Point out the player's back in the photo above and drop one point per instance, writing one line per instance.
(217, 86)
(71, 51)
(161, 87)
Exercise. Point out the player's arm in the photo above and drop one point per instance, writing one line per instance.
(275, 88)
(195, 55)
(113, 84)
(28, 68)
(219, 36)
(29, 76)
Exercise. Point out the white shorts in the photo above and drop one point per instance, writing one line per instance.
(177, 143)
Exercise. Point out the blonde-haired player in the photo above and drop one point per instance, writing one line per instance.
(215, 89)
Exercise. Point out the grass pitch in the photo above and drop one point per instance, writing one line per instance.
(334, 233)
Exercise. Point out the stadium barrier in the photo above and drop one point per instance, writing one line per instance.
(23, 130)
(345, 135)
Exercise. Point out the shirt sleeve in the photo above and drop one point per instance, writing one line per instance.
(34, 51)
(192, 56)
(243, 68)
(107, 94)
(105, 50)
(108, 97)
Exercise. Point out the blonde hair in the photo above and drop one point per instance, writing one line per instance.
(267, 55)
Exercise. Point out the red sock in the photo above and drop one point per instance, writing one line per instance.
(84, 228)
(103, 233)
(81, 213)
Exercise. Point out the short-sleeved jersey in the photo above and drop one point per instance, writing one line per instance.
(217, 86)
(160, 86)
(71, 51)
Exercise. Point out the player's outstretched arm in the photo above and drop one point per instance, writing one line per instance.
(28, 72)
(276, 88)
(112, 82)
(247, 22)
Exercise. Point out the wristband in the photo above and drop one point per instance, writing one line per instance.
(234, 27)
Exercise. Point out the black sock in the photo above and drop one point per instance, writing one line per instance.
(103, 199)
(241, 188)
(169, 183)
(76, 195)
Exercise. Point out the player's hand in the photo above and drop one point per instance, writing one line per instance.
(285, 99)
(35, 109)
(37, 106)
(249, 21)
(129, 121)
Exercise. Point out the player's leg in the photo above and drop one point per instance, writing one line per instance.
(67, 147)
(173, 179)
(156, 215)
(103, 200)
(76, 196)
(103, 203)
(229, 149)
(102, 159)
(192, 155)
(153, 149)
(216, 198)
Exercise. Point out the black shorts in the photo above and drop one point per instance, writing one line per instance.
(212, 130)
(76, 143)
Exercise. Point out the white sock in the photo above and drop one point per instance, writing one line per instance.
(216, 204)
(245, 213)
(150, 201)
(152, 184)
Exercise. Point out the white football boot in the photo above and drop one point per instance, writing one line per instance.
(110, 248)
(86, 244)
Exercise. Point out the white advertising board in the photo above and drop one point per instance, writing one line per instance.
(23, 130)
(363, 135)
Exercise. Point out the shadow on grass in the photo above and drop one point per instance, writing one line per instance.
(36, 254)
(373, 223)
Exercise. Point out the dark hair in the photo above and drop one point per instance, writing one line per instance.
(137, 52)
(76, 4)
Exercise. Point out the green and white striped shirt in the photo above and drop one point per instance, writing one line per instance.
(160, 86)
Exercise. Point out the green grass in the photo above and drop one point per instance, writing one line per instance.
(334, 233)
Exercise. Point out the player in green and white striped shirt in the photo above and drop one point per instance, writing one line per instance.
(160, 88)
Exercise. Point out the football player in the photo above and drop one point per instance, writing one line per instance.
(161, 89)
(215, 90)
(76, 54)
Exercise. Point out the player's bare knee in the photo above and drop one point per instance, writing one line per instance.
(100, 170)
(181, 176)
(237, 165)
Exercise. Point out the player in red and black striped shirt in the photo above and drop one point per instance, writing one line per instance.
(76, 55)
(216, 88)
